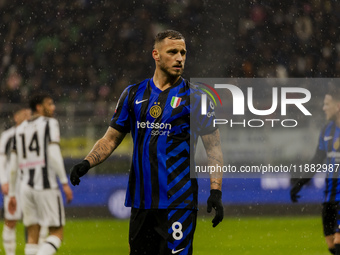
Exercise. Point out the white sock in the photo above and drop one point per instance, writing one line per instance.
(9, 240)
(31, 249)
(50, 246)
(44, 231)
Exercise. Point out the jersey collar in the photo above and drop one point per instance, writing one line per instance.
(153, 86)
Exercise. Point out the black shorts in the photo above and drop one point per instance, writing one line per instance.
(162, 231)
(330, 218)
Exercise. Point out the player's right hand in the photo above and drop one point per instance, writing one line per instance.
(78, 171)
(296, 189)
(294, 192)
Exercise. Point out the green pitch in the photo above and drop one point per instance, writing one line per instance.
(253, 236)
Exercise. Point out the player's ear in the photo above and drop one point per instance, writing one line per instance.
(39, 108)
(155, 54)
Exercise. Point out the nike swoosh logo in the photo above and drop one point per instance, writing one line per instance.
(174, 252)
(327, 138)
(138, 102)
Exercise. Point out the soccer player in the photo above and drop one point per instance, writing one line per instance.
(8, 233)
(328, 148)
(160, 191)
(37, 154)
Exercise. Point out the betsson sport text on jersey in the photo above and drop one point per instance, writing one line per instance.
(158, 128)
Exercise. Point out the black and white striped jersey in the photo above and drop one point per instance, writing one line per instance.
(31, 145)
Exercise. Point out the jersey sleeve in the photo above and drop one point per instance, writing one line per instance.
(203, 123)
(121, 117)
(54, 131)
(321, 144)
(321, 151)
(55, 158)
(2, 144)
(56, 162)
(3, 178)
(3, 157)
(13, 174)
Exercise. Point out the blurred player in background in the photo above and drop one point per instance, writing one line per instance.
(8, 233)
(328, 149)
(161, 193)
(37, 154)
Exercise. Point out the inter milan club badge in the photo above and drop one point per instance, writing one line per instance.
(175, 101)
(155, 110)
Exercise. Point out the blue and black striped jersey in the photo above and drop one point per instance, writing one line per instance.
(329, 148)
(159, 122)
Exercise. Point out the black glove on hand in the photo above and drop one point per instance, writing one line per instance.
(294, 192)
(78, 171)
(296, 189)
(215, 201)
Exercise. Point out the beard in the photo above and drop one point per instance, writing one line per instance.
(48, 113)
(169, 71)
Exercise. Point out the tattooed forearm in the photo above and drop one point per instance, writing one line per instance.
(118, 140)
(212, 145)
(213, 160)
(104, 147)
(100, 151)
(94, 157)
(215, 183)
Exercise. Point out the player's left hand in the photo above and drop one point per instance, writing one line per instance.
(78, 171)
(215, 201)
(12, 205)
(68, 193)
(4, 189)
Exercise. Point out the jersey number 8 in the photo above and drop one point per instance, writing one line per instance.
(177, 230)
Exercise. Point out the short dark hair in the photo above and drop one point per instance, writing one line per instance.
(171, 34)
(36, 99)
(17, 108)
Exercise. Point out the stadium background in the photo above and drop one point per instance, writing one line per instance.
(86, 52)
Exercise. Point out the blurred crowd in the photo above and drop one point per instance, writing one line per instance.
(288, 39)
(84, 50)
(90, 51)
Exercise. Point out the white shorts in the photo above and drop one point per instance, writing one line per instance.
(17, 215)
(43, 207)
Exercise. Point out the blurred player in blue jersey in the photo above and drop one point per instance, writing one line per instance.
(161, 193)
(328, 149)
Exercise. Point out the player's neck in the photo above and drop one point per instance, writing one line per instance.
(35, 116)
(163, 81)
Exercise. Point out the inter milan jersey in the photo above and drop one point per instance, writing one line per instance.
(159, 122)
(329, 148)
